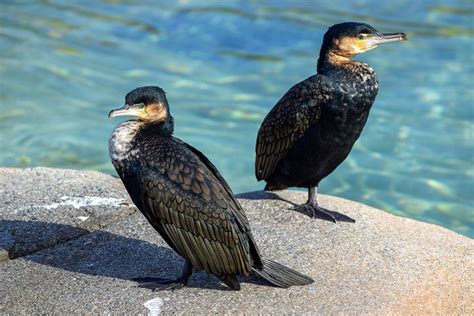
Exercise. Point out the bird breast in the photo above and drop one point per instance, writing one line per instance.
(359, 88)
(122, 139)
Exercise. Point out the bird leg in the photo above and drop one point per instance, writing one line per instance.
(159, 284)
(231, 281)
(311, 207)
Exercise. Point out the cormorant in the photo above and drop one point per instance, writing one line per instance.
(313, 127)
(184, 197)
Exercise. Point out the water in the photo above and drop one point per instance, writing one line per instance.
(65, 64)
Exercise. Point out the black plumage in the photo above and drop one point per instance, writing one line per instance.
(312, 128)
(184, 197)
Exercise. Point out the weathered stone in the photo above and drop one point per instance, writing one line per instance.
(83, 201)
(380, 264)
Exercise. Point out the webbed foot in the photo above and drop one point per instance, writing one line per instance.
(158, 284)
(315, 211)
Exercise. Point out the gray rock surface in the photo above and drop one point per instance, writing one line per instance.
(380, 264)
(81, 201)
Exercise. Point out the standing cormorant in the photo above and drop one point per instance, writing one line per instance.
(185, 198)
(313, 127)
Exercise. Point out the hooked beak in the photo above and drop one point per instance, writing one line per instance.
(385, 38)
(127, 109)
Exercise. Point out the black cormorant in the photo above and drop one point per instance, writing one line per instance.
(184, 197)
(313, 127)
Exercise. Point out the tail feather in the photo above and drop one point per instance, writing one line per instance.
(281, 276)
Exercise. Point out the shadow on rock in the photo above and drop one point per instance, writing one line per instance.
(267, 195)
(102, 253)
(21, 238)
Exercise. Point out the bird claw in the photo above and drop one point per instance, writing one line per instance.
(315, 211)
(159, 284)
(172, 286)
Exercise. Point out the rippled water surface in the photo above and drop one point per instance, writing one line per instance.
(65, 64)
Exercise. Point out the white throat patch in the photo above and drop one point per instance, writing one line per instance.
(120, 141)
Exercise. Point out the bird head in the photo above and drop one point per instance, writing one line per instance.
(147, 104)
(345, 40)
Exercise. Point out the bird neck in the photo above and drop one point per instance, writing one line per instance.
(331, 61)
(165, 128)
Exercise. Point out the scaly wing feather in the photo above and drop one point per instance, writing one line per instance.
(196, 210)
(287, 122)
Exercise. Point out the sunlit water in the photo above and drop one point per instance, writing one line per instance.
(65, 64)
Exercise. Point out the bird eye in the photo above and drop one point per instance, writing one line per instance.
(141, 106)
(361, 36)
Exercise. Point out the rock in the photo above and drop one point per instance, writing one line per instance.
(82, 201)
(380, 264)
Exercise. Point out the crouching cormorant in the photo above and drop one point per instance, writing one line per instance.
(313, 127)
(185, 198)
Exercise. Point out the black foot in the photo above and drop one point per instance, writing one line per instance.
(158, 284)
(322, 213)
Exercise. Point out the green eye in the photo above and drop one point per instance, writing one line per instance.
(361, 36)
(141, 106)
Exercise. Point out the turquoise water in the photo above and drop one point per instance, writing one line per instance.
(65, 64)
